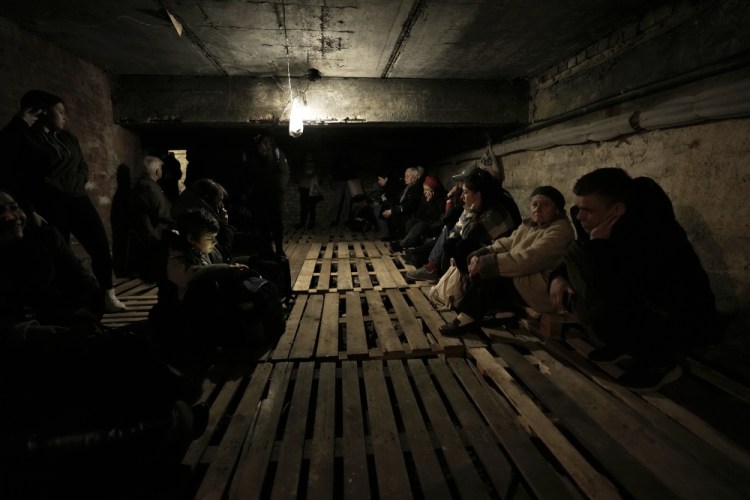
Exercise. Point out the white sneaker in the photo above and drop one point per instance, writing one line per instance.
(111, 303)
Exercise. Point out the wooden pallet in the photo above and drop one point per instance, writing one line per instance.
(140, 297)
(610, 441)
(423, 428)
(371, 324)
(347, 265)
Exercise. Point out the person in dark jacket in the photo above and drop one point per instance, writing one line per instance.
(634, 280)
(51, 176)
(149, 218)
(399, 212)
(426, 220)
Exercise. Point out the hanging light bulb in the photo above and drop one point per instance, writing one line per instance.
(295, 117)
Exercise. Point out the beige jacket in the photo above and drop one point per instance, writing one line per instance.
(528, 256)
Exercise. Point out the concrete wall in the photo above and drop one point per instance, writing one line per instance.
(27, 62)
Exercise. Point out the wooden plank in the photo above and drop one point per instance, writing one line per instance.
(591, 482)
(433, 320)
(304, 279)
(364, 275)
(251, 471)
(431, 478)
(387, 336)
(287, 475)
(321, 474)
(390, 468)
(328, 340)
(694, 437)
(342, 250)
(284, 344)
(359, 252)
(344, 275)
(609, 450)
(356, 477)
(216, 413)
(410, 325)
(396, 275)
(324, 277)
(385, 280)
(719, 381)
(371, 250)
(356, 337)
(307, 335)
(539, 473)
(328, 251)
(217, 477)
(488, 451)
(454, 450)
(314, 252)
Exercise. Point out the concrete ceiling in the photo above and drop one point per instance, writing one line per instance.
(415, 39)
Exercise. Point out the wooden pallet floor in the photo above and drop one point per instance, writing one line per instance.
(362, 398)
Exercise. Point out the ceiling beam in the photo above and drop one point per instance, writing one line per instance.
(245, 100)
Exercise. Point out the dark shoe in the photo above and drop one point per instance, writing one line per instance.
(395, 246)
(387, 237)
(607, 355)
(454, 329)
(644, 378)
(200, 419)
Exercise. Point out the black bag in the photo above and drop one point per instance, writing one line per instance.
(260, 298)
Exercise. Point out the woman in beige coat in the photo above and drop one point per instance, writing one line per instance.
(513, 271)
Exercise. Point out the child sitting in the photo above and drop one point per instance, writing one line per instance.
(205, 302)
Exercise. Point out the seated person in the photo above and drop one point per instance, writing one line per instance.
(74, 390)
(635, 283)
(149, 218)
(205, 303)
(407, 203)
(484, 219)
(212, 196)
(505, 216)
(425, 221)
(386, 196)
(512, 271)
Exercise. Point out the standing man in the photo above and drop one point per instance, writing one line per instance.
(272, 176)
(50, 175)
(633, 278)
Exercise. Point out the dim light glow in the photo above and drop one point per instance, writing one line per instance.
(295, 117)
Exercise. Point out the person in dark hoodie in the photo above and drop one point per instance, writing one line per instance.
(634, 280)
(49, 174)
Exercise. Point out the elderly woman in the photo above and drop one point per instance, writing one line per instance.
(513, 270)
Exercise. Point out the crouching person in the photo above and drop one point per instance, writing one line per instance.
(207, 304)
(79, 399)
(512, 272)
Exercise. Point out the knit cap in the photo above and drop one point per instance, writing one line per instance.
(553, 194)
(431, 181)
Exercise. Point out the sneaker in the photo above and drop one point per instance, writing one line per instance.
(644, 378)
(423, 274)
(607, 355)
(111, 303)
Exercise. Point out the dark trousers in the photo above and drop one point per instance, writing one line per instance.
(494, 294)
(307, 206)
(78, 216)
(627, 324)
